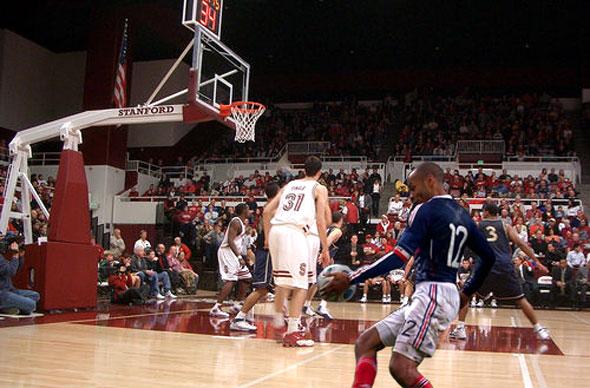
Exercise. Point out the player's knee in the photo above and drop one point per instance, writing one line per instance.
(401, 371)
(363, 343)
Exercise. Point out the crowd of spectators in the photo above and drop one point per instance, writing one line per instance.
(530, 124)
(45, 188)
(350, 128)
(147, 271)
(422, 122)
(547, 185)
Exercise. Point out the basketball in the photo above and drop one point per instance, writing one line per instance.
(323, 280)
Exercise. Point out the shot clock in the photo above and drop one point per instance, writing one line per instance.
(204, 13)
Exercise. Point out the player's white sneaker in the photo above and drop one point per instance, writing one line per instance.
(543, 333)
(236, 308)
(217, 312)
(363, 299)
(324, 313)
(270, 297)
(160, 296)
(384, 300)
(405, 300)
(307, 310)
(241, 325)
(494, 304)
(473, 302)
(480, 303)
(169, 294)
(458, 333)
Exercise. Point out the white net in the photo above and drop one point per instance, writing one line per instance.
(245, 114)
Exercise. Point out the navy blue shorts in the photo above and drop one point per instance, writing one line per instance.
(262, 275)
(504, 286)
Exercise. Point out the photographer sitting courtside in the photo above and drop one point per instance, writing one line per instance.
(12, 300)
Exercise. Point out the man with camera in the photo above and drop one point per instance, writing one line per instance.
(12, 300)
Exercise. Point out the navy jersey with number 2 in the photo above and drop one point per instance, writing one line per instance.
(438, 231)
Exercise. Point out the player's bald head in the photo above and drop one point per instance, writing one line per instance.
(429, 169)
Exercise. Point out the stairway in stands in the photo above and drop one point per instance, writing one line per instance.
(387, 192)
(581, 146)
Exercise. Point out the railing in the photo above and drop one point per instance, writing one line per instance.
(144, 168)
(538, 159)
(308, 147)
(481, 147)
(177, 172)
(424, 158)
(477, 203)
(203, 199)
(45, 159)
(257, 159)
(345, 159)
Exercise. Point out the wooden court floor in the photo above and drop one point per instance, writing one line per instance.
(176, 344)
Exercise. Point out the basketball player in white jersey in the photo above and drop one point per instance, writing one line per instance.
(232, 266)
(287, 220)
(261, 277)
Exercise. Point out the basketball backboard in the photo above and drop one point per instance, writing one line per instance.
(218, 76)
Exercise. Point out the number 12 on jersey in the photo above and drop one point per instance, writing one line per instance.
(293, 201)
(453, 256)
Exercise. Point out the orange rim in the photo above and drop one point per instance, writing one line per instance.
(248, 107)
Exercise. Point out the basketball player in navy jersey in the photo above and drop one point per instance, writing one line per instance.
(262, 276)
(438, 231)
(334, 233)
(503, 281)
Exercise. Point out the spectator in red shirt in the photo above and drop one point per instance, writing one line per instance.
(351, 214)
(386, 247)
(369, 249)
(384, 226)
(181, 247)
(133, 192)
(122, 284)
(99, 249)
(150, 192)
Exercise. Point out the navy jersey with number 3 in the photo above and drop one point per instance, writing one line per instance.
(437, 233)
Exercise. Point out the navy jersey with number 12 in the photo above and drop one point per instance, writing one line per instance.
(438, 231)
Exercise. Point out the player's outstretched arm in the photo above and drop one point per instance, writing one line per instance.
(513, 236)
(340, 281)
(478, 244)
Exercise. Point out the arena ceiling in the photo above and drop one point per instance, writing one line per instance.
(318, 36)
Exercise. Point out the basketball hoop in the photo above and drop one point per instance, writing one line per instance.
(245, 114)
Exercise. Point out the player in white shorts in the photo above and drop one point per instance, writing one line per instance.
(287, 220)
(232, 266)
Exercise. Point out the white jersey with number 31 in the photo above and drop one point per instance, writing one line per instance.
(297, 205)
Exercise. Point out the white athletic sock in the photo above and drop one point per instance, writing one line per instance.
(250, 314)
(537, 326)
(307, 303)
(240, 315)
(460, 324)
(278, 320)
(323, 303)
(364, 295)
(292, 325)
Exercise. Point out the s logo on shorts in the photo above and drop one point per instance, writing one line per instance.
(302, 269)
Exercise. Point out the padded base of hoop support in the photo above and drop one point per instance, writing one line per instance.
(69, 220)
(64, 274)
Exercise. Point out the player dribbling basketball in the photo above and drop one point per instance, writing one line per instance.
(437, 233)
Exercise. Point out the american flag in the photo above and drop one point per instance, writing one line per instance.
(120, 92)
